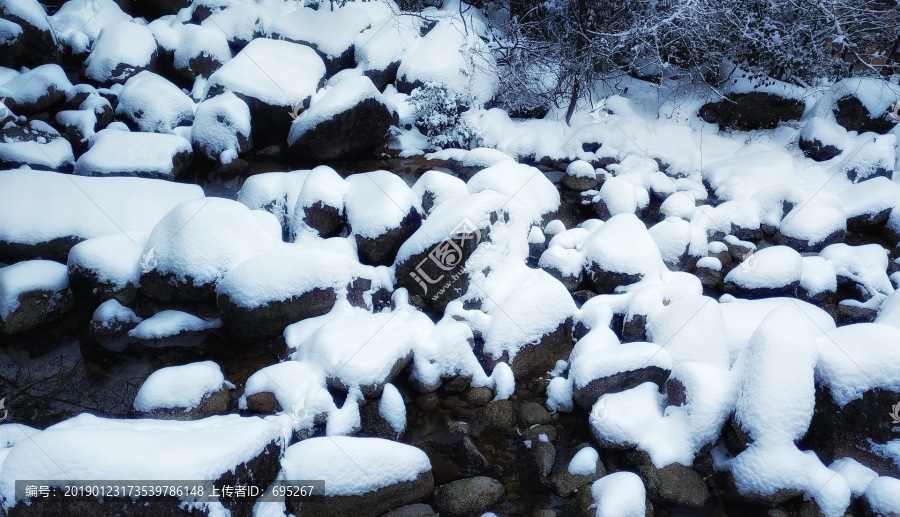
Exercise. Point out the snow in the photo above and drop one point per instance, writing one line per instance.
(623, 245)
(55, 154)
(120, 43)
(84, 120)
(883, 496)
(442, 187)
(322, 185)
(442, 57)
(875, 95)
(197, 41)
(559, 394)
(775, 267)
(111, 314)
(137, 449)
(856, 358)
(377, 202)
(203, 239)
(353, 466)
(240, 23)
(275, 192)
(825, 132)
(31, 85)
(84, 207)
(743, 176)
(78, 22)
(691, 328)
(581, 169)
(392, 409)
(331, 32)
(218, 122)
(869, 197)
(874, 153)
(179, 386)
(620, 494)
(610, 360)
(115, 259)
(278, 73)
(171, 323)
(28, 10)
(337, 99)
(672, 235)
(584, 463)
(298, 387)
(619, 196)
(818, 276)
(282, 274)
(864, 265)
(857, 475)
(813, 223)
(30, 275)
(709, 263)
(154, 104)
(525, 184)
(122, 153)
(386, 41)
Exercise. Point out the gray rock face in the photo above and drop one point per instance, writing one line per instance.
(467, 496)
(499, 414)
(216, 403)
(412, 510)
(587, 395)
(382, 250)
(749, 111)
(269, 320)
(370, 504)
(565, 484)
(351, 134)
(263, 403)
(530, 413)
(36, 308)
(544, 456)
(673, 484)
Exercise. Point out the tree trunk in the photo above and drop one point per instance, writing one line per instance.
(572, 101)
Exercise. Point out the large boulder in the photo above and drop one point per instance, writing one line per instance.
(187, 392)
(145, 155)
(350, 121)
(108, 267)
(201, 50)
(150, 103)
(749, 111)
(33, 293)
(379, 49)
(615, 368)
(36, 90)
(122, 50)
(276, 79)
(330, 32)
(382, 215)
(221, 128)
(862, 104)
(78, 23)
(37, 36)
(363, 476)
(11, 42)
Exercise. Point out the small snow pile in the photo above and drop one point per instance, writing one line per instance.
(854, 359)
(275, 192)
(200, 241)
(28, 276)
(36, 89)
(200, 50)
(77, 23)
(377, 202)
(122, 153)
(138, 449)
(222, 127)
(153, 104)
(858, 476)
(822, 139)
(111, 315)
(525, 184)
(810, 226)
(122, 49)
(83, 207)
(875, 156)
(435, 187)
(113, 259)
(770, 270)
(743, 176)
(277, 73)
(392, 409)
(584, 463)
(454, 55)
(319, 205)
(621, 251)
(864, 265)
(354, 466)
(883, 496)
(620, 494)
(298, 387)
(775, 405)
(179, 386)
(171, 323)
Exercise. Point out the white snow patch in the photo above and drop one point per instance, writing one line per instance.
(179, 386)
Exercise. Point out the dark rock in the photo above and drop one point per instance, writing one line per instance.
(328, 220)
(673, 484)
(356, 132)
(269, 320)
(39, 44)
(750, 111)
(36, 308)
(478, 396)
(369, 504)
(499, 414)
(373, 424)
(587, 395)
(412, 510)
(263, 403)
(382, 78)
(534, 433)
(854, 116)
(709, 276)
(456, 385)
(473, 460)
(56, 157)
(848, 314)
(536, 359)
(531, 413)
(468, 496)
(232, 169)
(565, 484)
(423, 388)
(860, 223)
(382, 250)
(166, 287)
(155, 9)
(818, 151)
(11, 42)
(544, 456)
(428, 402)
(216, 403)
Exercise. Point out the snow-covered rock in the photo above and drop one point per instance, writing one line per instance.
(351, 120)
(869, 202)
(143, 155)
(32, 293)
(821, 139)
(151, 103)
(381, 212)
(873, 155)
(79, 127)
(122, 50)
(218, 448)
(320, 205)
(37, 89)
(363, 476)
(812, 226)
(36, 145)
(200, 50)
(170, 324)
(331, 32)
(294, 387)
(37, 36)
(620, 494)
(746, 111)
(83, 208)
(527, 185)
(221, 128)
(108, 267)
(11, 40)
(187, 392)
(272, 77)
(276, 193)
(772, 271)
(882, 497)
(197, 243)
(266, 293)
(111, 319)
(78, 23)
(620, 252)
(379, 49)
(861, 103)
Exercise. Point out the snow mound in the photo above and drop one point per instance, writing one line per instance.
(78, 22)
(35, 87)
(525, 184)
(30, 275)
(620, 494)
(354, 466)
(153, 104)
(330, 32)
(114, 259)
(200, 50)
(883, 496)
(435, 187)
(392, 409)
(298, 387)
(386, 42)
(122, 153)
(856, 358)
(584, 463)
(121, 50)
(111, 315)
(221, 124)
(338, 99)
(171, 323)
(377, 202)
(775, 267)
(275, 192)
(179, 386)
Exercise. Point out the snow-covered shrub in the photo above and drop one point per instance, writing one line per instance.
(438, 116)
